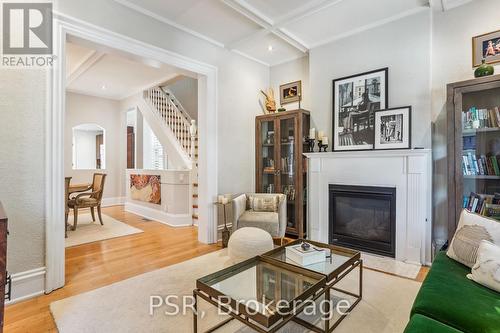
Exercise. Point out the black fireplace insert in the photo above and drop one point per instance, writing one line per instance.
(363, 218)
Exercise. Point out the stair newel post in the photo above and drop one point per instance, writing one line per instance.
(192, 131)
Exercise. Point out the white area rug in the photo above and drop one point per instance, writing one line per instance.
(88, 231)
(390, 265)
(124, 306)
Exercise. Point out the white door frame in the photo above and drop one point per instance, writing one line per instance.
(207, 125)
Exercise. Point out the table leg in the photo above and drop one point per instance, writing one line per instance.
(195, 313)
(327, 310)
(360, 279)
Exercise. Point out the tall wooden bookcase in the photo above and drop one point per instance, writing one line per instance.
(280, 164)
(473, 146)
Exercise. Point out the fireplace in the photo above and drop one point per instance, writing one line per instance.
(363, 218)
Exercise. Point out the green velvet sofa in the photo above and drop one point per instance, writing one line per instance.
(449, 302)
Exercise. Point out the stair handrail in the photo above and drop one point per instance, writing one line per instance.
(173, 118)
(177, 103)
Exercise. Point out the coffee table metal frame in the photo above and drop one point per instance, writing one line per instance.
(263, 324)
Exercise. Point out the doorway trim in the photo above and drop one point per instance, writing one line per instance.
(54, 134)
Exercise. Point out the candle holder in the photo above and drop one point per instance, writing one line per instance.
(321, 146)
(311, 143)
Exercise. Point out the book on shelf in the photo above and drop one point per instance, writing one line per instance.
(475, 118)
(480, 165)
(483, 204)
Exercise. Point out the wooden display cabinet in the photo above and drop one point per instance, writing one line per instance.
(473, 148)
(280, 142)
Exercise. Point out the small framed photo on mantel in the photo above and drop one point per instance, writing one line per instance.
(393, 128)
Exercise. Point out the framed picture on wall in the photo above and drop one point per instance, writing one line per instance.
(355, 100)
(393, 128)
(290, 92)
(486, 46)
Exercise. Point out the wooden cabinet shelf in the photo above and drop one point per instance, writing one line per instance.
(279, 145)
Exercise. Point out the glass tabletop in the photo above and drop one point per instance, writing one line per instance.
(336, 261)
(261, 286)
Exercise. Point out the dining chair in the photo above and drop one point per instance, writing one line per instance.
(90, 200)
(67, 181)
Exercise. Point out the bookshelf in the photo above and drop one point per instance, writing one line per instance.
(280, 165)
(473, 109)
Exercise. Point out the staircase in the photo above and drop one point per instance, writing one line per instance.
(182, 127)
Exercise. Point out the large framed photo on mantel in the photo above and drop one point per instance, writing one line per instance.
(355, 100)
(393, 128)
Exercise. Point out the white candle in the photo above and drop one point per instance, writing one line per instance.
(321, 134)
(312, 133)
(325, 140)
(220, 198)
(225, 201)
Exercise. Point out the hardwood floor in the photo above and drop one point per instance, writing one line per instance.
(94, 265)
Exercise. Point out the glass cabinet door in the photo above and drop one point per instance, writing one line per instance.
(288, 167)
(268, 164)
(481, 151)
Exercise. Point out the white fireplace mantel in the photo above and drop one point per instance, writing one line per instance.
(409, 171)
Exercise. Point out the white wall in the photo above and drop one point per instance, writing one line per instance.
(295, 70)
(403, 46)
(82, 109)
(185, 90)
(452, 62)
(22, 165)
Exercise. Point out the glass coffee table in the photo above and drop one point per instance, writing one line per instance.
(268, 291)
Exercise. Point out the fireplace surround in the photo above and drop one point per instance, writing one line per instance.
(409, 171)
(363, 218)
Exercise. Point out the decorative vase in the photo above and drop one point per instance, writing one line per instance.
(484, 69)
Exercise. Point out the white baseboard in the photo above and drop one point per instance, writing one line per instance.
(116, 201)
(27, 285)
(173, 220)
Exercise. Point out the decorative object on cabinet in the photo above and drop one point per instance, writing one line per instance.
(5, 281)
(291, 92)
(484, 69)
(280, 165)
(355, 99)
(270, 101)
(487, 47)
(323, 144)
(473, 148)
(393, 128)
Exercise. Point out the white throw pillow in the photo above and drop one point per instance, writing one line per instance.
(486, 271)
(471, 230)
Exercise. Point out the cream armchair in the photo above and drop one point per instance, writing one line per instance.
(259, 210)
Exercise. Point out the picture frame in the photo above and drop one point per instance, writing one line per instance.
(486, 46)
(355, 99)
(393, 128)
(291, 92)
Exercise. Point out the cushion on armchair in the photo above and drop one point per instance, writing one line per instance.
(267, 221)
(259, 203)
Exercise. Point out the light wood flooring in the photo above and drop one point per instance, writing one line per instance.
(94, 265)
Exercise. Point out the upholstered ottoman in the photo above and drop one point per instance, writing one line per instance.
(246, 243)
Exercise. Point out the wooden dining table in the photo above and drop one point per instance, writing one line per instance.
(78, 188)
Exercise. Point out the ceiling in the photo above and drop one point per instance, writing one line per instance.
(97, 71)
(276, 31)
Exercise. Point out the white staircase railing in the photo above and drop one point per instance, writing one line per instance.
(178, 121)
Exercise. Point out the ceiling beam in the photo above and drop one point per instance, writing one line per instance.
(264, 22)
(84, 66)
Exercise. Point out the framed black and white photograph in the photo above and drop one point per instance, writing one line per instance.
(355, 100)
(393, 128)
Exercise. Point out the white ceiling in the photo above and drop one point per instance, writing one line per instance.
(291, 27)
(97, 71)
